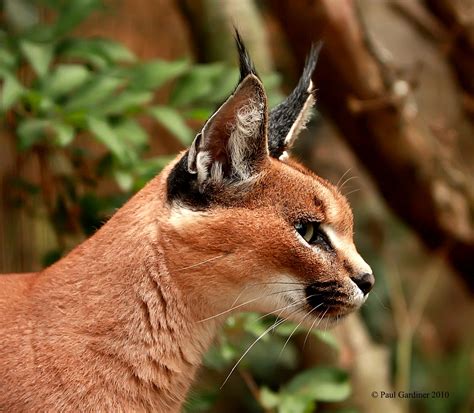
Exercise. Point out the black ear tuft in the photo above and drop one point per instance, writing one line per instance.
(290, 116)
(245, 62)
(309, 66)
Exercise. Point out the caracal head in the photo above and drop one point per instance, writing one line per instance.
(266, 233)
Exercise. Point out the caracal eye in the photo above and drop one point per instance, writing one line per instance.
(306, 230)
(312, 233)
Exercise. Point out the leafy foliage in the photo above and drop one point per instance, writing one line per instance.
(60, 92)
(271, 355)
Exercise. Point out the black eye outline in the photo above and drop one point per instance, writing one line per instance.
(312, 233)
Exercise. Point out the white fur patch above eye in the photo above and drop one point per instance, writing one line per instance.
(348, 250)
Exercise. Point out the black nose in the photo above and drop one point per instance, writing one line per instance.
(365, 282)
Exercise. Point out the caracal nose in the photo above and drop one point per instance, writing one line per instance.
(364, 281)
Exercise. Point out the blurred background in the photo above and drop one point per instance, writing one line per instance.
(97, 96)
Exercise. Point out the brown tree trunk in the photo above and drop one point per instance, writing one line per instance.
(457, 16)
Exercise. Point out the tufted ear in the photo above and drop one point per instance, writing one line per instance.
(233, 143)
(290, 117)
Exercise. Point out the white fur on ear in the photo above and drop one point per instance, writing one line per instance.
(302, 119)
(247, 124)
(192, 167)
(233, 141)
(284, 156)
(248, 120)
(203, 160)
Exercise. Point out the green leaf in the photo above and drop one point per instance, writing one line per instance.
(8, 60)
(327, 338)
(291, 403)
(126, 101)
(268, 398)
(196, 84)
(65, 79)
(84, 50)
(39, 55)
(33, 99)
(21, 14)
(107, 136)
(213, 359)
(326, 384)
(31, 131)
(224, 86)
(131, 132)
(153, 74)
(228, 352)
(39, 104)
(151, 166)
(148, 168)
(124, 179)
(201, 401)
(94, 92)
(114, 51)
(100, 52)
(12, 91)
(64, 133)
(172, 120)
(199, 114)
(256, 325)
(287, 329)
(72, 13)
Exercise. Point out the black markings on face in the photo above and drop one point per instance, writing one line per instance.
(325, 294)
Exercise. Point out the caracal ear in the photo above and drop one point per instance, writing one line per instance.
(290, 117)
(232, 146)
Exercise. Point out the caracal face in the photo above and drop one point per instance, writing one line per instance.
(278, 237)
(284, 248)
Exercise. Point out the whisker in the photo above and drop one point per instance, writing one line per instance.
(312, 325)
(347, 181)
(326, 324)
(250, 348)
(265, 283)
(351, 192)
(302, 300)
(380, 301)
(296, 328)
(342, 177)
(202, 262)
(281, 309)
(245, 303)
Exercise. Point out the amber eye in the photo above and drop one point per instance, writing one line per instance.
(312, 233)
